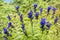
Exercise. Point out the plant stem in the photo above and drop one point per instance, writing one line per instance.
(32, 26)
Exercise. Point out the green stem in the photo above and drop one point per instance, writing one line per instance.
(32, 26)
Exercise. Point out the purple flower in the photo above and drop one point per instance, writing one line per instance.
(48, 25)
(21, 17)
(56, 19)
(43, 20)
(24, 31)
(36, 15)
(9, 17)
(17, 7)
(5, 31)
(35, 5)
(54, 9)
(41, 9)
(9, 24)
(23, 26)
(30, 14)
(48, 9)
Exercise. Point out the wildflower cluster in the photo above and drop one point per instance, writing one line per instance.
(43, 22)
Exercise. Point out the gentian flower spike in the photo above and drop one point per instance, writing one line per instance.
(43, 21)
(35, 5)
(23, 26)
(24, 31)
(48, 25)
(54, 9)
(5, 31)
(9, 17)
(36, 15)
(21, 18)
(17, 7)
(48, 9)
(41, 9)
(30, 14)
(9, 24)
(56, 19)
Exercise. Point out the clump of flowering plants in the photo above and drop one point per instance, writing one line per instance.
(30, 25)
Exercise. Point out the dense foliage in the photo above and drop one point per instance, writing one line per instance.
(30, 20)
